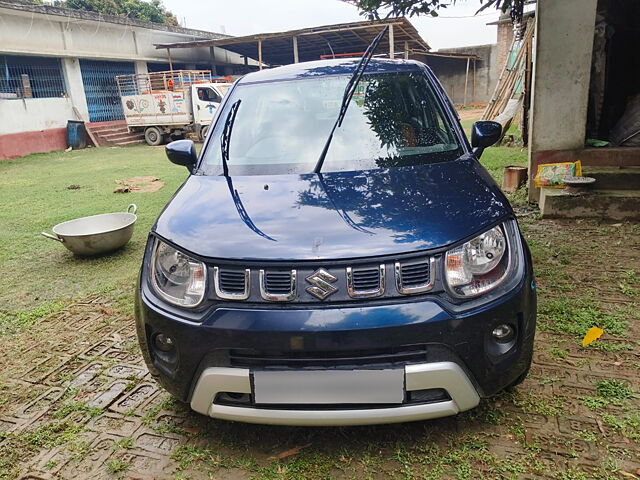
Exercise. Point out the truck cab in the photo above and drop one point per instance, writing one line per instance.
(205, 100)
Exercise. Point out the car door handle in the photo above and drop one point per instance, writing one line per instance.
(198, 107)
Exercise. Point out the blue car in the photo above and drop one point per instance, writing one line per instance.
(319, 272)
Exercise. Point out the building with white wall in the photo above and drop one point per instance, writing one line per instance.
(57, 64)
(576, 97)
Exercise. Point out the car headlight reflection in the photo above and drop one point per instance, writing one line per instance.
(176, 277)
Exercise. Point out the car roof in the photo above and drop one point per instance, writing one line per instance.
(322, 68)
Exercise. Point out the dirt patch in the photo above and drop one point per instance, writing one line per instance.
(77, 402)
(470, 113)
(139, 184)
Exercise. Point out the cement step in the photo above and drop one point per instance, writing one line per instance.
(115, 136)
(110, 131)
(603, 204)
(111, 123)
(107, 131)
(127, 143)
(614, 178)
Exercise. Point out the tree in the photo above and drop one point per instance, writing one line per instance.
(409, 8)
(147, 11)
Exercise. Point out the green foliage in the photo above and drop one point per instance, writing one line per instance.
(608, 392)
(74, 406)
(409, 8)
(614, 389)
(117, 466)
(39, 275)
(147, 11)
(576, 315)
(23, 319)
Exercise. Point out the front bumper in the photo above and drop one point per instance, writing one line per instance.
(458, 354)
(443, 375)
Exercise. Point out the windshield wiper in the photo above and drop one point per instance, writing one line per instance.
(349, 91)
(225, 138)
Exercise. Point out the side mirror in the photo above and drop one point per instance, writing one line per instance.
(484, 134)
(182, 152)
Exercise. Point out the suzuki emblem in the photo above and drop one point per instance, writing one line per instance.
(321, 281)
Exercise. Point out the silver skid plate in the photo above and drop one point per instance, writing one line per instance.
(329, 387)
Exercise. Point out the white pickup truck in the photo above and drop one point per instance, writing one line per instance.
(170, 104)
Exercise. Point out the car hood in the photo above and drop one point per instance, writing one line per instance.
(332, 215)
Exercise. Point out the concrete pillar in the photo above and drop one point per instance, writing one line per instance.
(561, 75)
(296, 59)
(141, 67)
(75, 87)
(212, 60)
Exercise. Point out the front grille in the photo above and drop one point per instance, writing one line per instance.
(366, 278)
(232, 282)
(363, 282)
(414, 277)
(416, 274)
(278, 286)
(341, 282)
(278, 282)
(416, 397)
(296, 360)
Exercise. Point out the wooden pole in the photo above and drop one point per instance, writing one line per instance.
(391, 48)
(406, 50)
(473, 88)
(507, 78)
(295, 50)
(466, 81)
(170, 62)
(260, 54)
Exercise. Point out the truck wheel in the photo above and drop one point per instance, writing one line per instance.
(203, 132)
(153, 136)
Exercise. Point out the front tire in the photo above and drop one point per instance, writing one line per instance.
(203, 132)
(153, 136)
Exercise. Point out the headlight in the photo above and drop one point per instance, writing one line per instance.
(176, 277)
(479, 265)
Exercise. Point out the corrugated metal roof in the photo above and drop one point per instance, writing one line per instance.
(327, 40)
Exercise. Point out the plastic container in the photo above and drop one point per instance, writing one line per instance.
(76, 134)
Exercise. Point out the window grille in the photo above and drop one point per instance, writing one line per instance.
(30, 77)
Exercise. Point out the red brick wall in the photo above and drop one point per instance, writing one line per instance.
(20, 144)
(505, 37)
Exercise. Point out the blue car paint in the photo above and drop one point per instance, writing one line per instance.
(388, 211)
(425, 207)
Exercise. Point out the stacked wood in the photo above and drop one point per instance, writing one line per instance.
(511, 77)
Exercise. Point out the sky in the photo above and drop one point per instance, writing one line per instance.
(457, 26)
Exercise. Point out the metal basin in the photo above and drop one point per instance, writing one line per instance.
(96, 234)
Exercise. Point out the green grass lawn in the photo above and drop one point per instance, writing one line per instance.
(39, 274)
(34, 197)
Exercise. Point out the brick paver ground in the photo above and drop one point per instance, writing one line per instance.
(76, 400)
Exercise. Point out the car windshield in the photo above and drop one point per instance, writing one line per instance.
(394, 119)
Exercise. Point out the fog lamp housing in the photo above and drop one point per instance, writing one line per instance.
(163, 342)
(503, 333)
